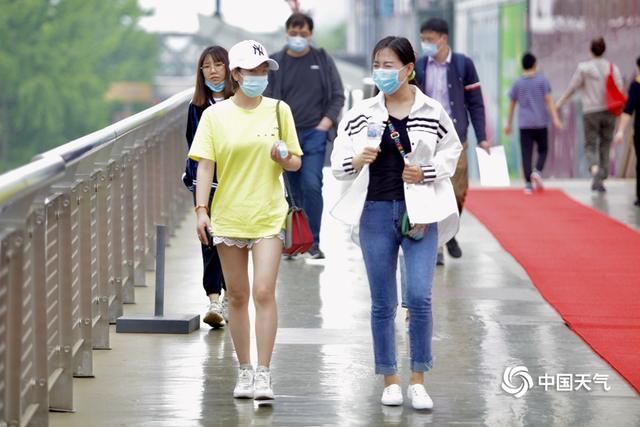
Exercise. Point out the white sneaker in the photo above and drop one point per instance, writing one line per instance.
(419, 397)
(244, 386)
(263, 390)
(392, 395)
(225, 309)
(536, 180)
(213, 317)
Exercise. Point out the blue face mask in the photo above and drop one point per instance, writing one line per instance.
(297, 43)
(387, 80)
(217, 88)
(254, 86)
(429, 49)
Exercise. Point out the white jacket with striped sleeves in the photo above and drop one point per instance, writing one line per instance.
(435, 146)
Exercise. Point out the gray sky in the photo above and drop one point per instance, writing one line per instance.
(253, 15)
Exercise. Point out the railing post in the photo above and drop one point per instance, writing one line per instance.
(62, 388)
(83, 366)
(36, 230)
(102, 247)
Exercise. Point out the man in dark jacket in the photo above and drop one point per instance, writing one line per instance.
(309, 82)
(451, 79)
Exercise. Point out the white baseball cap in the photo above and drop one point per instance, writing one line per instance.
(248, 54)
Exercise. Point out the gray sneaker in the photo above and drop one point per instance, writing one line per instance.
(316, 252)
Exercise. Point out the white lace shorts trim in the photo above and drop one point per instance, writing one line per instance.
(244, 243)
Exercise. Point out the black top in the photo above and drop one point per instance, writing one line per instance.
(302, 89)
(191, 167)
(385, 173)
(633, 104)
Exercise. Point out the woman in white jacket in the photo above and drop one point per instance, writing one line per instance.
(399, 150)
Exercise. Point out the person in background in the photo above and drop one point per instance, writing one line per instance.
(239, 140)
(451, 79)
(309, 82)
(632, 105)
(532, 94)
(589, 78)
(213, 84)
(398, 150)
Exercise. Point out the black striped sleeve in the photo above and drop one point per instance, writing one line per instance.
(355, 122)
(347, 166)
(428, 173)
(442, 131)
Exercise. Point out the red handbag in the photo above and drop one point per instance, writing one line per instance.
(614, 97)
(298, 237)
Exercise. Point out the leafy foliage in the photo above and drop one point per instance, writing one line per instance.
(57, 59)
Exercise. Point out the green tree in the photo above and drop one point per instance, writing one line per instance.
(57, 59)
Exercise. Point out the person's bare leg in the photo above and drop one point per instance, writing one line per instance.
(266, 261)
(416, 378)
(391, 379)
(214, 297)
(234, 266)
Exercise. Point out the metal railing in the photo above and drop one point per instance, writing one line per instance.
(76, 237)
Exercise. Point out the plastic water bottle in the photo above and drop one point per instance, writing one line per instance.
(374, 134)
(283, 151)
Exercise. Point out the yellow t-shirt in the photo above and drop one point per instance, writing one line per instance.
(249, 202)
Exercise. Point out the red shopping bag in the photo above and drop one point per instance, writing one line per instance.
(614, 97)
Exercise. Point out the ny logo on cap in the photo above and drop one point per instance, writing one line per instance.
(257, 50)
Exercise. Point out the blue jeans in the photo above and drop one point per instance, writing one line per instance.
(380, 241)
(306, 183)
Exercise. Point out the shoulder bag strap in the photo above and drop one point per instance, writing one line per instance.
(287, 186)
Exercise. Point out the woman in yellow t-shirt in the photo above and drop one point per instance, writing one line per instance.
(238, 136)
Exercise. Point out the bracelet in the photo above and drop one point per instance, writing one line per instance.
(205, 207)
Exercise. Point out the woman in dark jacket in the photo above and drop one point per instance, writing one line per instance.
(213, 84)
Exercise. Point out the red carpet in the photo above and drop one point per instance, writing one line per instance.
(585, 264)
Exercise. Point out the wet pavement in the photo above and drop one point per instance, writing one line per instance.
(487, 317)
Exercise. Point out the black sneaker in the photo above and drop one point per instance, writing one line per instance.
(440, 258)
(315, 252)
(599, 187)
(454, 248)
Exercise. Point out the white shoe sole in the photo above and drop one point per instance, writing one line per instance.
(421, 407)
